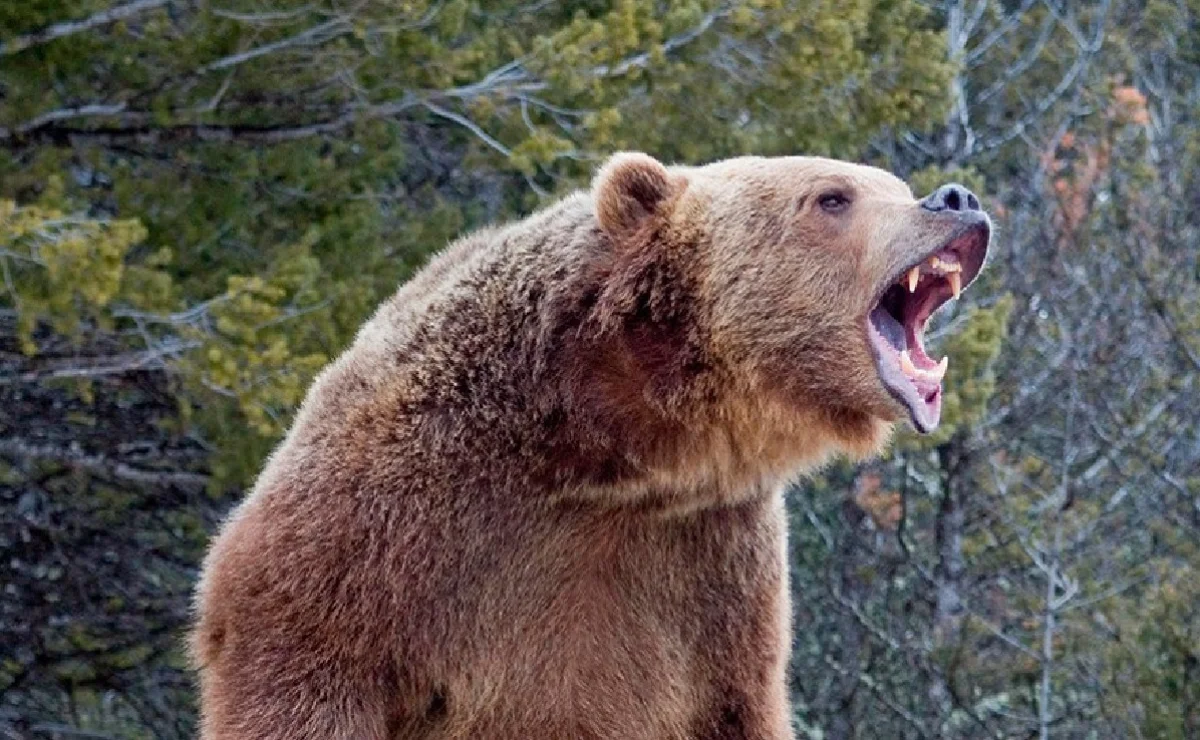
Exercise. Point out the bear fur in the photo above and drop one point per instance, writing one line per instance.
(541, 494)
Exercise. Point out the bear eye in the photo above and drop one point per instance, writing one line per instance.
(833, 202)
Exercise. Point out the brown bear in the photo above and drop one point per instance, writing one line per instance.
(541, 494)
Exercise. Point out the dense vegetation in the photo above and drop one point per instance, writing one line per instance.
(200, 201)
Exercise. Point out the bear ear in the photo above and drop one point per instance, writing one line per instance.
(630, 188)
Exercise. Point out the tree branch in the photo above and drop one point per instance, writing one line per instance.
(114, 365)
(316, 35)
(69, 28)
(248, 133)
(511, 81)
(75, 457)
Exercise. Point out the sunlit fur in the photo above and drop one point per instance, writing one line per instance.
(540, 496)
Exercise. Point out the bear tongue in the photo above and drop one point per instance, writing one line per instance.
(904, 341)
(919, 367)
(906, 368)
(921, 364)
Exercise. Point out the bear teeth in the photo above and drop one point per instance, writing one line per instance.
(946, 266)
(942, 266)
(932, 375)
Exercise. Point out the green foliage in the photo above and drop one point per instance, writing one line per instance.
(1154, 657)
(62, 270)
(239, 350)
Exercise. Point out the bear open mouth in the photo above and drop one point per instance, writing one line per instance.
(896, 325)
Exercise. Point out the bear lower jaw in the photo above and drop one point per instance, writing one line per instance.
(918, 390)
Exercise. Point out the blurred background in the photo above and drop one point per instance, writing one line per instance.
(200, 201)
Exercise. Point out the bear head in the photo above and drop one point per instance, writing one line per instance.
(792, 288)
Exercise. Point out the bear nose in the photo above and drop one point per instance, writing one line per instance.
(951, 197)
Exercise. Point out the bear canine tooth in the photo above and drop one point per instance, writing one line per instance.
(913, 276)
(942, 367)
(955, 280)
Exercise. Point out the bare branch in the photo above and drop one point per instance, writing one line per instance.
(1010, 22)
(151, 359)
(510, 82)
(1088, 49)
(69, 28)
(68, 731)
(873, 686)
(671, 44)
(65, 114)
(1012, 71)
(470, 125)
(312, 37)
(248, 133)
(264, 17)
(75, 457)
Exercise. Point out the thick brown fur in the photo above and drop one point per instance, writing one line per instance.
(540, 496)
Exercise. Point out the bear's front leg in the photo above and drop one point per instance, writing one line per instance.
(742, 627)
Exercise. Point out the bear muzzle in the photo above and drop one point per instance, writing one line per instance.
(896, 322)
